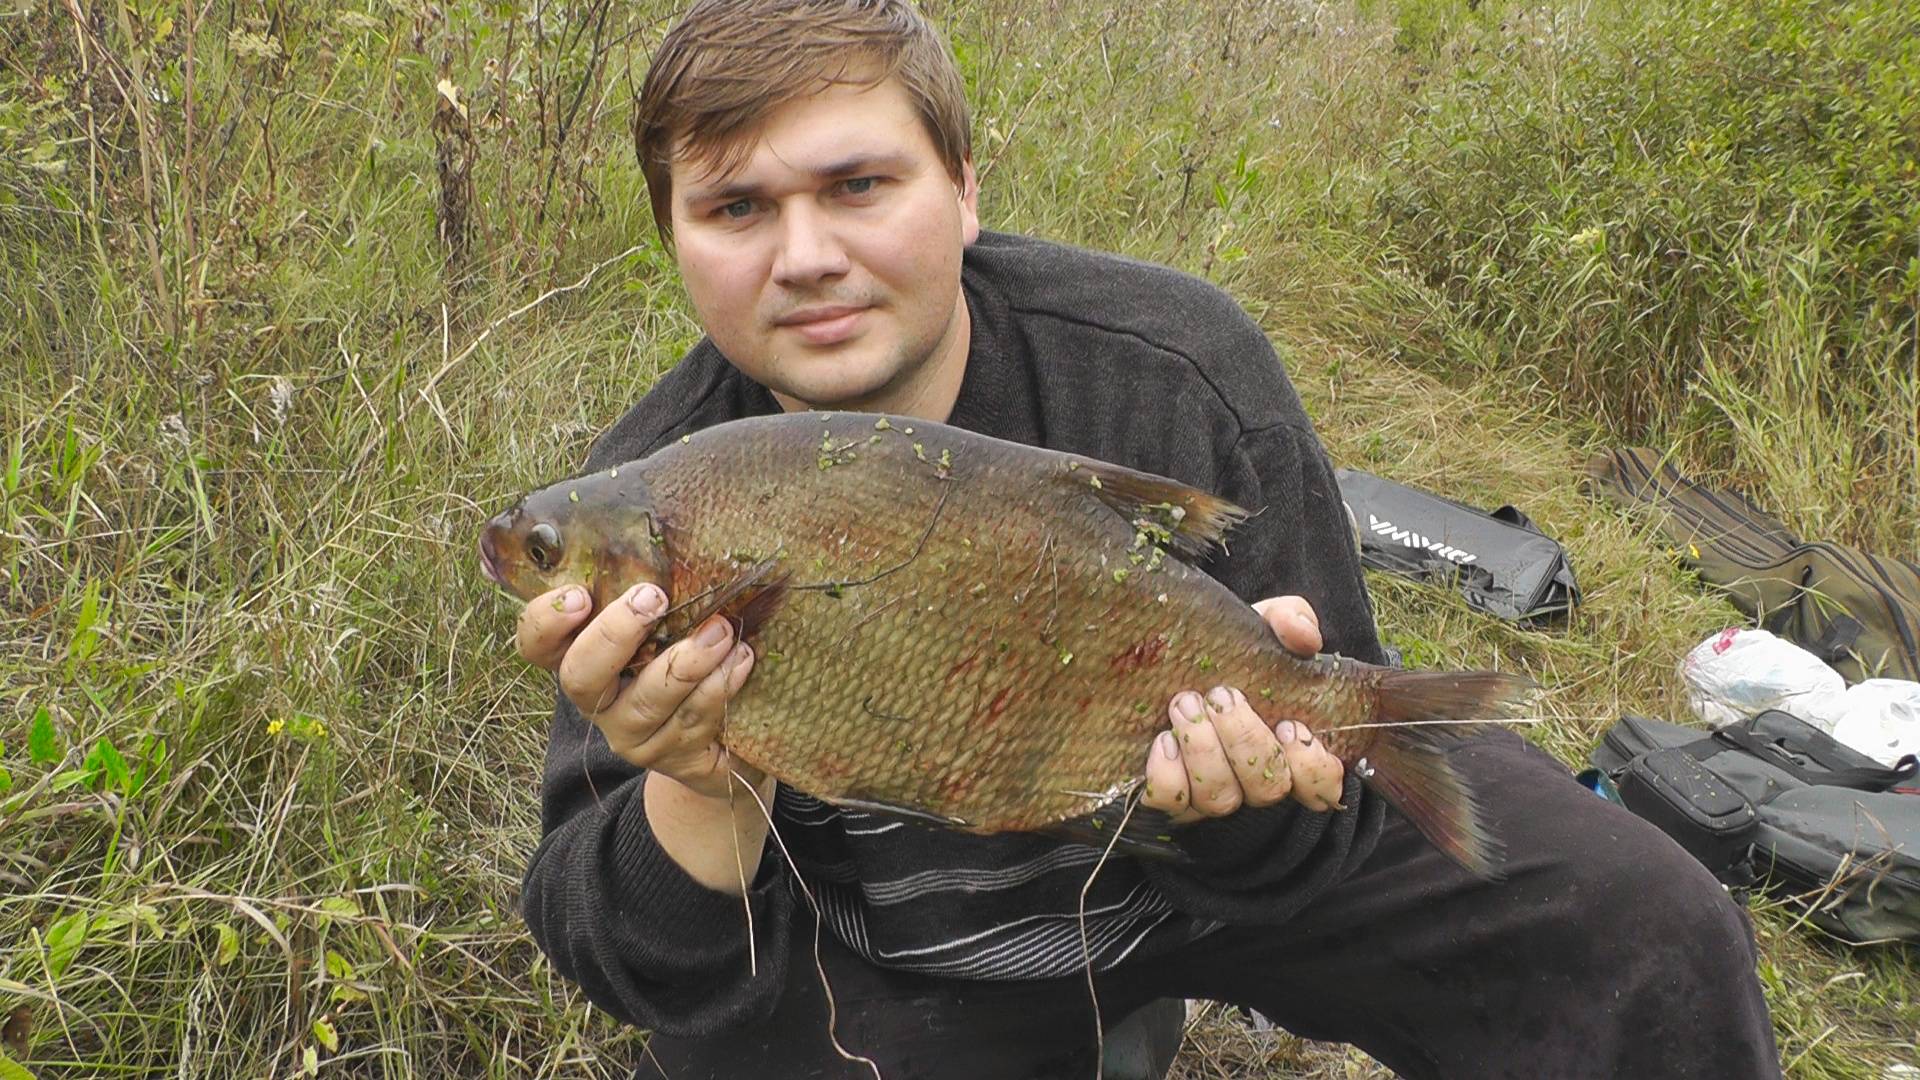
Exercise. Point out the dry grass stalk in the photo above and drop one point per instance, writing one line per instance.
(454, 155)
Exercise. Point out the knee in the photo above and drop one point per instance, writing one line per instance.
(1657, 900)
(1676, 963)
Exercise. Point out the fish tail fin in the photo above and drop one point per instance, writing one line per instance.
(1422, 716)
(1456, 699)
(1410, 768)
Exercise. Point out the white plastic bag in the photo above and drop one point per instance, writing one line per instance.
(1881, 719)
(1739, 673)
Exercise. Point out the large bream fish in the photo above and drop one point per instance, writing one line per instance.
(971, 629)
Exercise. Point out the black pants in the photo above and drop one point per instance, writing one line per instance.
(1608, 952)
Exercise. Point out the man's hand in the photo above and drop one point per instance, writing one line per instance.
(666, 719)
(1220, 755)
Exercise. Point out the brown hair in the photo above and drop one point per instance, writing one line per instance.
(728, 63)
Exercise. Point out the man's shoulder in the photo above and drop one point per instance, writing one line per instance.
(701, 390)
(1117, 292)
(1129, 310)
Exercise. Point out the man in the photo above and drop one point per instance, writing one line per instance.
(808, 160)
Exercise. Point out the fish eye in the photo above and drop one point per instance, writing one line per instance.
(543, 546)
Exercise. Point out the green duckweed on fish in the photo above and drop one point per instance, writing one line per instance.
(973, 630)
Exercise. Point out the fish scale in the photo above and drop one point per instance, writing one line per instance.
(879, 674)
(967, 628)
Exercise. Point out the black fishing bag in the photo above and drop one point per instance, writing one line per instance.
(1775, 803)
(1501, 562)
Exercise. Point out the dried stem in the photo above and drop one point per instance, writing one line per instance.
(833, 1012)
(1086, 950)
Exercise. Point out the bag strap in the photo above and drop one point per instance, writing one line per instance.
(1860, 778)
(1804, 740)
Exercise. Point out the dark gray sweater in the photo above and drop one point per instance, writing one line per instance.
(1074, 350)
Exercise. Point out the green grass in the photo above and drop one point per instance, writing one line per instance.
(1700, 222)
(287, 775)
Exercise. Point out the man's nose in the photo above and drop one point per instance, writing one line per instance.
(809, 249)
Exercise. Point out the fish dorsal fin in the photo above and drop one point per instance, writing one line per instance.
(1167, 512)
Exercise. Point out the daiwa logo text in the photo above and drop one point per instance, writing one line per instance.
(1415, 540)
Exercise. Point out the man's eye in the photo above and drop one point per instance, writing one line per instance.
(861, 185)
(737, 209)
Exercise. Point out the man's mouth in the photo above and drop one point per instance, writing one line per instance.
(823, 325)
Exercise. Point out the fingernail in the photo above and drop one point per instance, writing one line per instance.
(1220, 698)
(1188, 705)
(647, 600)
(739, 662)
(712, 634)
(1308, 619)
(1284, 731)
(573, 600)
(1169, 746)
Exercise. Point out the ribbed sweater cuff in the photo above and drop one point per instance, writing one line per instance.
(1243, 841)
(1256, 848)
(649, 881)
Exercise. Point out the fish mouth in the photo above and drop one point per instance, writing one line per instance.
(490, 560)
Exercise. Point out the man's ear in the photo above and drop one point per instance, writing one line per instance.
(969, 190)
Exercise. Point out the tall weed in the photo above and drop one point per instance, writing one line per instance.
(282, 327)
(1698, 222)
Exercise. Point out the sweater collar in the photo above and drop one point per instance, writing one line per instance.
(997, 393)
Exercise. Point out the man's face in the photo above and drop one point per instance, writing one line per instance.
(827, 267)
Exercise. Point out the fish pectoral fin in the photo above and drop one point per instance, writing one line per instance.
(1165, 511)
(749, 600)
(761, 604)
(1148, 833)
